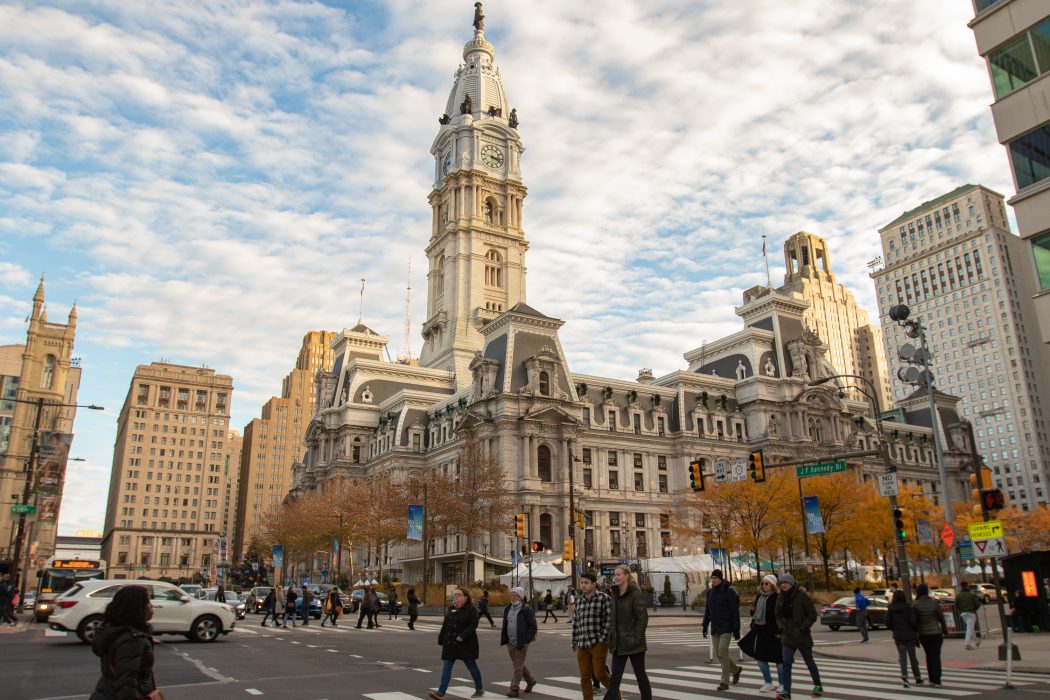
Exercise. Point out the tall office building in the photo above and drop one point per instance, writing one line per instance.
(1014, 37)
(274, 441)
(167, 488)
(42, 368)
(956, 265)
(231, 470)
(854, 344)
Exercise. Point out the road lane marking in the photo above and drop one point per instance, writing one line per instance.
(253, 691)
(423, 670)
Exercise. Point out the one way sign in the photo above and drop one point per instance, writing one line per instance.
(991, 547)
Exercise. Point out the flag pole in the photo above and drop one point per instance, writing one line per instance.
(769, 280)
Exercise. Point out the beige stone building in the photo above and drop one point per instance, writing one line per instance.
(1011, 37)
(168, 486)
(499, 376)
(854, 344)
(274, 441)
(231, 469)
(43, 368)
(954, 262)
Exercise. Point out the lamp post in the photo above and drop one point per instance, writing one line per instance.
(884, 455)
(572, 514)
(27, 488)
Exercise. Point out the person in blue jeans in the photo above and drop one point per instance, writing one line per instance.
(459, 641)
(861, 603)
(795, 615)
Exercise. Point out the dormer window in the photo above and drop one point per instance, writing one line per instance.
(545, 384)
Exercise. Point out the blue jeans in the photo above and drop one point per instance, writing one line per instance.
(763, 666)
(446, 674)
(789, 658)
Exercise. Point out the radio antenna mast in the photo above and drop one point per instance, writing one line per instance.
(406, 355)
(361, 306)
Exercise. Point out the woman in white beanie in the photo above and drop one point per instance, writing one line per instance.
(763, 641)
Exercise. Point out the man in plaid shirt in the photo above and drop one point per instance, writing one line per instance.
(590, 634)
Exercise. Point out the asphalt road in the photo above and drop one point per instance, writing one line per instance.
(394, 663)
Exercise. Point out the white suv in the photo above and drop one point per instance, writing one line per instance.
(80, 610)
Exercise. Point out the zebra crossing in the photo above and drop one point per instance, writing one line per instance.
(842, 679)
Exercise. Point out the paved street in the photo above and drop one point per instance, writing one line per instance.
(394, 663)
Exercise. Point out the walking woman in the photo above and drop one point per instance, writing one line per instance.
(902, 620)
(548, 604)
(762, 642)
(278, 604)
(413, 608)
(269, 607)
(333, 605)
(795, 615)
(459, 640)
(289, 606)
(932, 628)
(125, 648)
(627, 622)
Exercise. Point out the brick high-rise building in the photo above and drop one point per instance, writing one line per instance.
(167, 490)
(274, 441)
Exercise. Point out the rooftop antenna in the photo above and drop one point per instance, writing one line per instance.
(769, 280)
(406, 355)
(361, 307)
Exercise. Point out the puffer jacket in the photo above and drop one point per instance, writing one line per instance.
(126, 656)
(722, 612)
(627, 621)
(931, 619)
(902, 620)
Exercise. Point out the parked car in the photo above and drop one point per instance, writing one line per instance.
(80, 610)
(232, 599)
(256, 597)
(942, 594)
(29, 602)
(358, 594)
(985, 591)
(842, 613)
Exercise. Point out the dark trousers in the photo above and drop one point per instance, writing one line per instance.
(363, 615)
(789, 658)
(619, 665)
(412, 617)
(550, 613)
(931, 647)
(486, 613)
(906, 653)
(862, 624)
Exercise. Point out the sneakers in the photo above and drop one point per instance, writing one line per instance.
(478, 693)
(783, 696)
(918, 681)
(905, 683)
(766, 687)
(936, 685)
(818, 690)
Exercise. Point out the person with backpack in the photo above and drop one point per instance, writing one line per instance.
(932, 628)
(722, 615)
(124, 645)
(902, 620)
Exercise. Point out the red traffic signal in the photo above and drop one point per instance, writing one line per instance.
(537, 546)
(992, 500)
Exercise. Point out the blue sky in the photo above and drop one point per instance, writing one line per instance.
(210, 180)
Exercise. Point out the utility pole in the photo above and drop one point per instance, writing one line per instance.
(426, 542)
(572, 516)
(27, 489)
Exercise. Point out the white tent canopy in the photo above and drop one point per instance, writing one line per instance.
(544, 575)
(685, 573)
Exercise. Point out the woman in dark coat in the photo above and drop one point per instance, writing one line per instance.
(413, 607)
(125, 648)
(333, 605)
(459, 640)
(763, 641)
(901, 618)
(627, 622)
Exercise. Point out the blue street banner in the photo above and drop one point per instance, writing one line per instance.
(925, 531)
(278, 555)
(814, 523)
(720, 555)
(336, 552)
(415, 523)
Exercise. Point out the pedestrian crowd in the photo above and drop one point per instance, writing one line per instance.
(608, 629)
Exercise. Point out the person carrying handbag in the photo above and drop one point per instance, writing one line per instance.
(125, 648)
(762, 642)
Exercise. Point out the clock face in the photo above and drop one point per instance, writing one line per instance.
(491, 156)
(446, 164)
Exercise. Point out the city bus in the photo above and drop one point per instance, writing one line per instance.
(58, 576)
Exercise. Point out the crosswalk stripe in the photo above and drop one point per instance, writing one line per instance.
(754, 678)
(394, 695)
(990, 676)
(552, 690)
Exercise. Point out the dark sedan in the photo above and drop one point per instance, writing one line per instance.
(843, 613)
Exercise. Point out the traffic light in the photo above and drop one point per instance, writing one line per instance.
(521, 525)
(757, 464)
(568, 551)
(992, 500)
(898, 525)
(696, 475)
(537, 546)
(581, 520)
(980, 481)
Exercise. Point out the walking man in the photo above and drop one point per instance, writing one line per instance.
(483, 608)
(289, 606)
(722, 615)
(795, 615)
(366, 609)
(307, 597)
(391, 604)
(861, 602)
(548, 604)
(590, 635)
(519, 629)
(269, 607)
(7, 595)
(968, 604)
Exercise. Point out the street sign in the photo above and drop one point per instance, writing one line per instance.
(966, 549)
(721, 471)
(888, 485)
(820, 469)
(991, 547)
(948, 535)
(985, 531)
(27, 509)
(607, 569)
(739, 471)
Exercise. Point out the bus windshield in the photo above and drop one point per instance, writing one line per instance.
(61, 580)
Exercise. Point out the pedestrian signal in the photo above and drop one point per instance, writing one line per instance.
(758, 466)
(521, 525)
(568, 550)
(537, 546)
(992, 500)
(898, 525)
(696, 475)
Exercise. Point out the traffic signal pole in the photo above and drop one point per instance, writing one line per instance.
(27, 490)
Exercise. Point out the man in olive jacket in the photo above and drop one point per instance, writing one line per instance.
(722, 614)
(795, 615)
(968, 604)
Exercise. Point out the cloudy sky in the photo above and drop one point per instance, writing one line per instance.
(210, 180)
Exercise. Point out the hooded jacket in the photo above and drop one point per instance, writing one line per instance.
(795, 615)
(627, 621)
(126, 656)
(902, 620)
(722, 612)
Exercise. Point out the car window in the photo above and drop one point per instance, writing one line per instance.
(65, 594)
(165, 593)
(107, 592)
(844, 601)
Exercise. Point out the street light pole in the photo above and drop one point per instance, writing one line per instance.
(572, 515)
(27, 489)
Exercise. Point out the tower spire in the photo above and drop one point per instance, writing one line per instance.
(38, 298)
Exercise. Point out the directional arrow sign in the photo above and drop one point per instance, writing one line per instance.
(985, 531)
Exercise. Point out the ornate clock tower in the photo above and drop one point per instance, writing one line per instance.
(477, 248)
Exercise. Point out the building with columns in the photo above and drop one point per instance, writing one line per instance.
(494, 371)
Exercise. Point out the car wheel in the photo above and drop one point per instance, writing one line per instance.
(834, 628)
(205, 629)
(87, 628)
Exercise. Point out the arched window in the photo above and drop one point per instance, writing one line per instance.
(546, 529)
(543, 462)
(545, 384)
(494, 269)
(47, 379)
